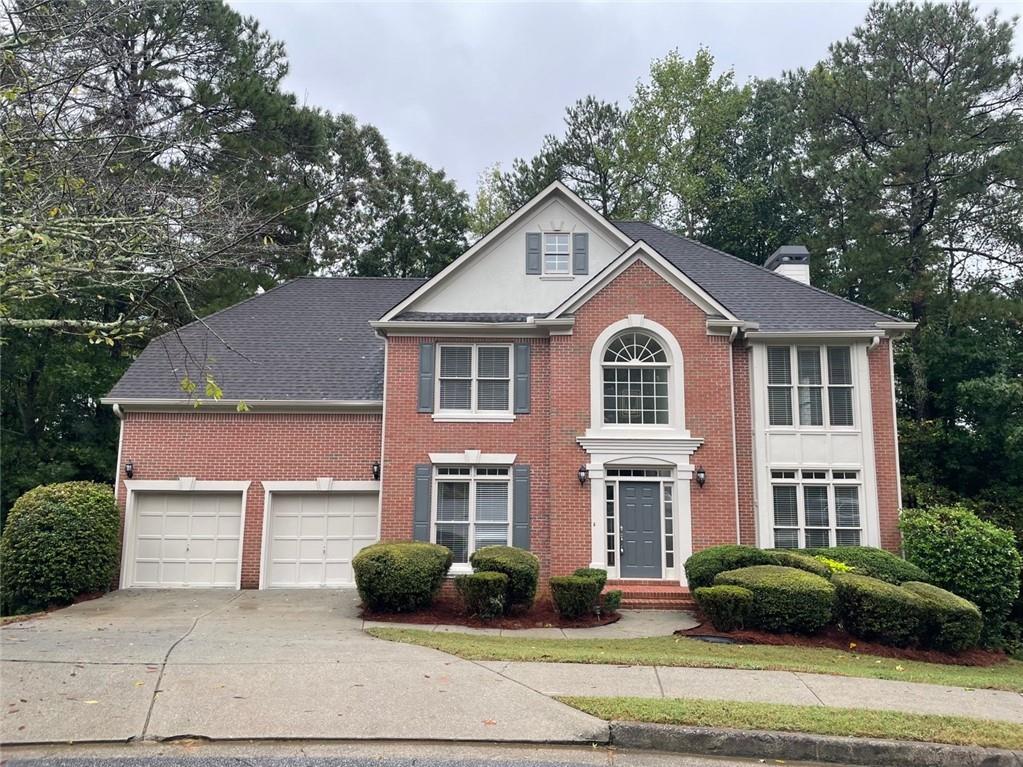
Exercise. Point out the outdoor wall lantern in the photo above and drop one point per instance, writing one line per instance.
(376, 469)
(583, 473)
(701, 476)
(129, 469)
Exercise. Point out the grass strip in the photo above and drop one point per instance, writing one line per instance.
(680, 651)
(852, 722)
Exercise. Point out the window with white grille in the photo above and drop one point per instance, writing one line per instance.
(556, 254)
(474, 378)
(471, 509)
(816, 508)
(635, 369)
(818, 370)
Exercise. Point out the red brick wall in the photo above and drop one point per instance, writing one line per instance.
(885, 444)
(742, 370)
(249, 446)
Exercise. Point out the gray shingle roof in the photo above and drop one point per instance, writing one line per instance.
(465, 316)
(308, 339)
(753, 293)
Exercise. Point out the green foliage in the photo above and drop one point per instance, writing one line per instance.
(60, 541)
(400, 577)
(784, 599)
(521, 567)
(574, 596)
(611, 601)
(727, 607)
(951, 623)
(875, 563)
(790, 558)
(703, 566)
(967, 556)
(483, 594)
(833, 565)
(594, 573)
(878, 611)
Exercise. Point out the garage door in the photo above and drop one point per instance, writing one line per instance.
(313, 537)
(187, 539)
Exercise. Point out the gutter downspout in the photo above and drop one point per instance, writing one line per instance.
(735, 437)
(120, 444)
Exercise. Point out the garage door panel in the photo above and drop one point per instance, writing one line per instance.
(309, 548)
(365, 526)
(339, 549)
(314, 525)
(340, 526)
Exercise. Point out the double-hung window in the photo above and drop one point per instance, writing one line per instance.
(474, 378)
(556, 253)
(818, 369)
(816, 508)
(471, 509)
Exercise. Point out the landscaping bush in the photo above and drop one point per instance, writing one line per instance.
(879, 611)
(875, 563)
(400, 577)
(483, 594)
(594, 573)
(59, 541)
(703, 566)
(611, 601)
(727, 607)
(784, 599)
(800, 561)
(952, 624)
(573, 595)
(521, 567)
(972, 558)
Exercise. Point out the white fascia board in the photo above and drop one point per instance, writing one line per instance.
(894, 329)
(497, 232)
(755, 336)
(538, 328)
(641, 251)
(254, 405)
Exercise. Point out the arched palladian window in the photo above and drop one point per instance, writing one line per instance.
(635, 368)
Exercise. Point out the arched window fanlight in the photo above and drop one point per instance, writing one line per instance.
(635, 371)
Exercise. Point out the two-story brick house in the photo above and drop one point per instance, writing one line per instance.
(604, 393)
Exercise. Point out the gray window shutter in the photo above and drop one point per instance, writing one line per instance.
(581, 253)
(421, 501)
(426, 362)
(533, 247)
(523, 353)
(520, 506)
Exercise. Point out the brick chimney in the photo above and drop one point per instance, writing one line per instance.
(792, 261)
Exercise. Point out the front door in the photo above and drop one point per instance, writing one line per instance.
(639, 529)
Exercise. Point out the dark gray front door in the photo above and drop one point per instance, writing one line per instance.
(639, 529)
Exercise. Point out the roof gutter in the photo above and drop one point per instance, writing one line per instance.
(159, 405)
(531, 326)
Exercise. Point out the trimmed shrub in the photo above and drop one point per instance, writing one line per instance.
(725, 606)
(878, 611)
(703, 566)
(952, 624)
(875, 563)
(594, 573)
(833, 565)
(611, 601)
(784, 599)
(969, 557)
(59, 541)
(789, 558)
(573, 595)
(483, 594)
(400, 577)
(521, 567)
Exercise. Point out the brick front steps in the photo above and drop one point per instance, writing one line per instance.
(652, 595)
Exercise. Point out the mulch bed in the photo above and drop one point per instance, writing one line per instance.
(5, 619)
(541, 615)
(836, 639)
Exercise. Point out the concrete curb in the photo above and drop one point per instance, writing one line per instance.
(794, 747)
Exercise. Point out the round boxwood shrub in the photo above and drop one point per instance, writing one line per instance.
(785, 600)
(968, 556)
(875, 563)
(483, 594)
(573, 595)
(879, 611)
(595, 573)
(400, 577)
(611, 601)
(800, 561)
(521, 567)
(59, 541)
(726, 607)
(952, 624)
(703, 566)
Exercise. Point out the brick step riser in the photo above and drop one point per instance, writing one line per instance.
(646, 604)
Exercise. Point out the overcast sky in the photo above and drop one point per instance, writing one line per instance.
(462, 86)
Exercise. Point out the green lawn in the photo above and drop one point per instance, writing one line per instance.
(854, 722)
(679, 651)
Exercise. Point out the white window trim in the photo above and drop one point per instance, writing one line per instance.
(543, 255)
(799, 482)
(461, 568)
(473, 414)
(794, 386)
(183, 485)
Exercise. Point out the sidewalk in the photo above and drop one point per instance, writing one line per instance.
(760, 686)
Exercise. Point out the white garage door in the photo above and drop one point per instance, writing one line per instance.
(313, 537)
(187, 539)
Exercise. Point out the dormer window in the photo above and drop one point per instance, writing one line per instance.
(556, 252)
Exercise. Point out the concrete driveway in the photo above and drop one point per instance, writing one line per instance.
(149, 664)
